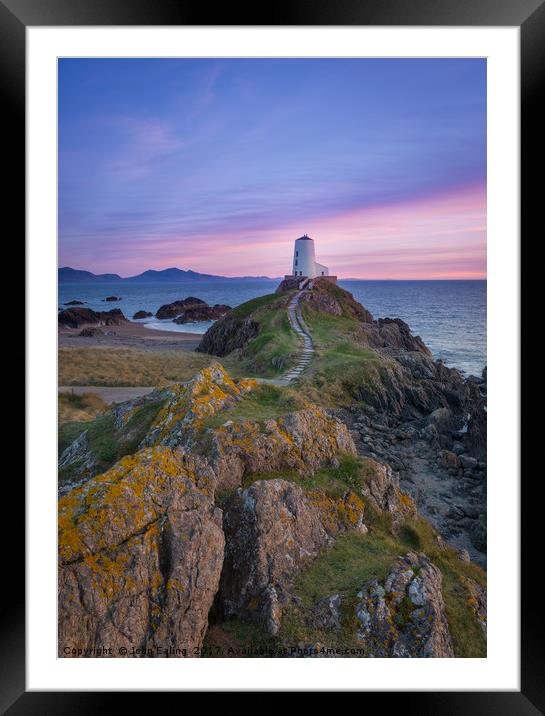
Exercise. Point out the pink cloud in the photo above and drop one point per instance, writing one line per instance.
(438, 237)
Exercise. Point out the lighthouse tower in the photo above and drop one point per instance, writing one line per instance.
(304, 259)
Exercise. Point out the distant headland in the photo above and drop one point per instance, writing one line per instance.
(169, 275)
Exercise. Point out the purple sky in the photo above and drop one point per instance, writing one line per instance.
(218, 165)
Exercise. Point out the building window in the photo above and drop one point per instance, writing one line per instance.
(297, 253)
(296, 262)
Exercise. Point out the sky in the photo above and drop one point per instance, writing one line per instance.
(217, 165)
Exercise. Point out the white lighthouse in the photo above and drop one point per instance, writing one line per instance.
(304, 259)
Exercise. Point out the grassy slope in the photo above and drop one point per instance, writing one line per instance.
(340, 359)
(261, 404)
(274, 340)
(106, 442)
(127, 366)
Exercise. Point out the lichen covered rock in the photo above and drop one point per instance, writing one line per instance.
(140, 552)
(303, 440)
(188, 404)
(272, 530)
(382, 489)
(404, 616)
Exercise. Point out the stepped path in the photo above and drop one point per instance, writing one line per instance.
(119, 394)
(298, 325)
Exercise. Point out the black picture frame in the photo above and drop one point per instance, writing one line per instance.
(15, 17)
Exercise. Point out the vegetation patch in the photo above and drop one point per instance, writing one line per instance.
(79, 408)
(128, 366)
(264, 402)
(107, 443)
(274, 350)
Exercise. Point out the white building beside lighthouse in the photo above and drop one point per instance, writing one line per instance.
(304, 259)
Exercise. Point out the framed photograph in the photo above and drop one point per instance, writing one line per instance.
(273, 316)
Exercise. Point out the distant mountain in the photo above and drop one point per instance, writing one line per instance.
(169, 275)
(70, 275)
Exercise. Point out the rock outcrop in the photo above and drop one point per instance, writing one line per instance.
(77, 317)
(291, 283)
(405, 615)
(202, 313)
(272, 530)
(171, 310)
(227, 335)
(91, 332)
(382, 489)
(141, 550)
(303, 441)
(190, 309)
(327, 297)
(142, 314)
(188, 404)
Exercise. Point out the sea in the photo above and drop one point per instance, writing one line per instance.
(449, 316)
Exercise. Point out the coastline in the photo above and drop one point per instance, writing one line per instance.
(129, 335)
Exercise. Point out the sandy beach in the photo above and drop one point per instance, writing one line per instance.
(129, 335)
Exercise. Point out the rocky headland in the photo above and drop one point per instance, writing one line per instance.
(343, 515)
(77, 317)
(190, 310)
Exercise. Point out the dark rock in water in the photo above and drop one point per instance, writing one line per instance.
(142, 314)
(174, 309)
(76, 317)
(227, 335)
(90, 332)
(74, 303)
(113, 298)
(193, 314)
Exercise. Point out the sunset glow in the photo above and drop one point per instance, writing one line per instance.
(218, 165)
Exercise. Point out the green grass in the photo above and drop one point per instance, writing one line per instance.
(107, 443)
(261, 404)
(341, 361)
(334, 481)
(355, 559)
(246, 309)
(275, 338)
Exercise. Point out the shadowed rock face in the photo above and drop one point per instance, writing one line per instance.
(272, 530)
(141, 549)
(171, 310)
(405, 615)
(192, 309)
(228, 334)
(76, 317)
(202, 313)
(327, 297)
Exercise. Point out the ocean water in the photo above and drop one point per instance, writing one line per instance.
(449, 316)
